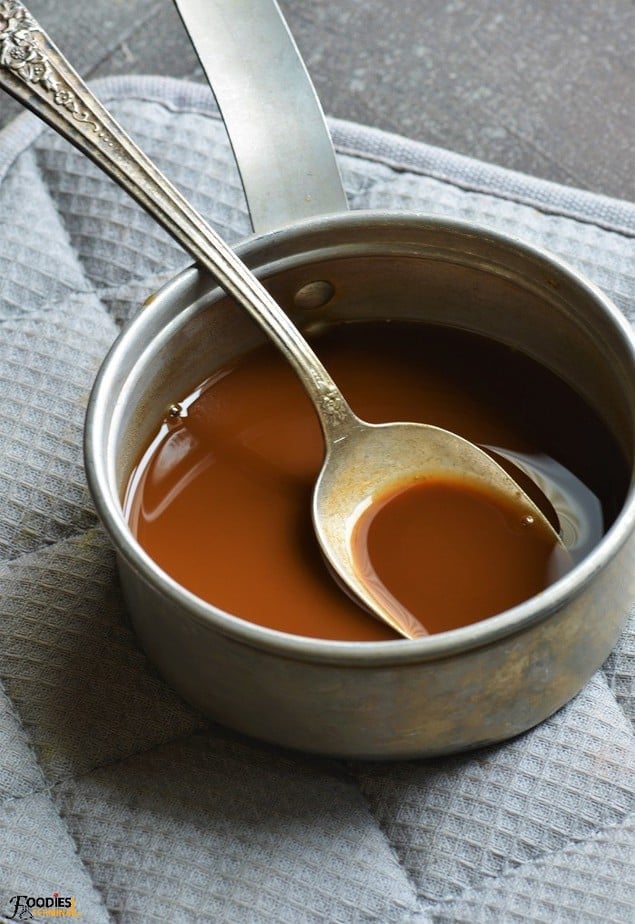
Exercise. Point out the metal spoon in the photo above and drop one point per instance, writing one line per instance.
(362, 460)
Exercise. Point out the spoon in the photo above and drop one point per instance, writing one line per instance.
(362, 460)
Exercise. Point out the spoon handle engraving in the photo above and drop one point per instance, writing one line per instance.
(35, 72)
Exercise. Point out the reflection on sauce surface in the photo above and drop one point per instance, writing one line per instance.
(221, 499)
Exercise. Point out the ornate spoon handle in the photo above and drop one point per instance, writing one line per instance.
(35, 72)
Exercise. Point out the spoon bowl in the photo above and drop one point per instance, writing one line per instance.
(372, 460)
(360, 459)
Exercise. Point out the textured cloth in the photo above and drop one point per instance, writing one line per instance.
(114, 791)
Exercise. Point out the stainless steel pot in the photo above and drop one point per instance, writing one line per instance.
(445, 693)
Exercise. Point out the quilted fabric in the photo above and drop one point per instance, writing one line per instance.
(114, 791)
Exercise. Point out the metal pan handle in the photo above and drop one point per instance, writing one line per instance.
(270, 108)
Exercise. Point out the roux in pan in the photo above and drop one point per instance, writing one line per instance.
(221, 499)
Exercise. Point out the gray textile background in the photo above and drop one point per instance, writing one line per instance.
(112, 789)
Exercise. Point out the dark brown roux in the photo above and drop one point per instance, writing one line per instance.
(221, 499)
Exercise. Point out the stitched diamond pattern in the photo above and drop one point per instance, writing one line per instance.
(111, 788)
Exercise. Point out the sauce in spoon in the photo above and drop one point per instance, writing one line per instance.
(449, 552)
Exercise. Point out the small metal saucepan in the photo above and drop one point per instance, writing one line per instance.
(444, 693)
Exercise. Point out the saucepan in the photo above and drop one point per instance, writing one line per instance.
(405, 698)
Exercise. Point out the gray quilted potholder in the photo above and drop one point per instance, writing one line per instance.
(114, 791)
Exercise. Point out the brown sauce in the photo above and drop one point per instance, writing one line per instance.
(221, 498)
(450, 552)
